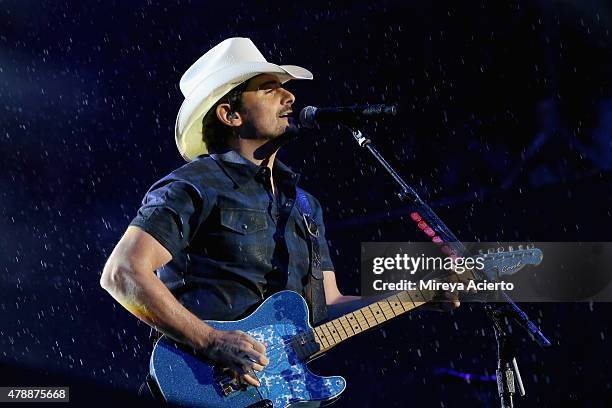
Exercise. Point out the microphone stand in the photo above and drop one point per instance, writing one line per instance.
(507, 368)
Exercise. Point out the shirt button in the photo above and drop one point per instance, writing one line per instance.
(288, 204)
(245, 227)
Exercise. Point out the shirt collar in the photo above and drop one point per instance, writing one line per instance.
(241, 170)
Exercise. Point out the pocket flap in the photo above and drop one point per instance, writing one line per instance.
(244, 220)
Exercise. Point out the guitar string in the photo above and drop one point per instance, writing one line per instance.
(276, 346)
(279, 347)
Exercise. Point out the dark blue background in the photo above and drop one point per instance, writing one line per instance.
(89, 94)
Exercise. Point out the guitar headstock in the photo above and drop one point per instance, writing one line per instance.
(501, 261)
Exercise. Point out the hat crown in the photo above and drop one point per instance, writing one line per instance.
(225, 54)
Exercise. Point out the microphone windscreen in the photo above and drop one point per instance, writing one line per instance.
(307, 117)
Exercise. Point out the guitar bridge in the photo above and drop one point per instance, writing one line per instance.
(226, 382)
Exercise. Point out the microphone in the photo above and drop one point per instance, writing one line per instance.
(312, 117)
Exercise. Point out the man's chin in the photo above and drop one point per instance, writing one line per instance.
(291, 129)
(275, 142)
(289, 133)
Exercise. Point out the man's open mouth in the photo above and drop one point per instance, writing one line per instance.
(285, 115)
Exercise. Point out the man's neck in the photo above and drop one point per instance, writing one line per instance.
(247, 148)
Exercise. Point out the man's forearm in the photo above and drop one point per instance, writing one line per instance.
(145, 296)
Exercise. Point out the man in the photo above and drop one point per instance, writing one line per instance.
(223, 232)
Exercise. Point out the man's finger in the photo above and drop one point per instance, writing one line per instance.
(250, 378)
(256, 356)
(445, 301)
(256, 345)
(250, 364)
(454, 300)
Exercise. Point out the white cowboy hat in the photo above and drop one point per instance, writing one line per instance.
(224, 67)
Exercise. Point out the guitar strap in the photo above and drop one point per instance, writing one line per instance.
(314, 290)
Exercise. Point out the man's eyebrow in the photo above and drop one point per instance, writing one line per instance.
(270, 82)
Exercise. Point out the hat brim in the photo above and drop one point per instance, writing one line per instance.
(188, 127)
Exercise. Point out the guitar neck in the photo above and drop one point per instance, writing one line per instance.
(325, 336)
(332, 333)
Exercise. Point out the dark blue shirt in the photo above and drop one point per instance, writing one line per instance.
(233, 242)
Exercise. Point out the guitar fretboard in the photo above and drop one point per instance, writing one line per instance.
(330, 334)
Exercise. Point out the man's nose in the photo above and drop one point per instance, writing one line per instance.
(287, 97)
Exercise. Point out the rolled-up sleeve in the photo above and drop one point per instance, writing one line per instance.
(172, 212)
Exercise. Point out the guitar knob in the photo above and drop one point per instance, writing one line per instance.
(490, 251)
(520, 247)
(500, 249)
(510, 248)
(480, 252)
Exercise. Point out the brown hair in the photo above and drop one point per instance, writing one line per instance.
(216, 134)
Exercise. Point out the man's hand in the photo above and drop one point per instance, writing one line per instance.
(239, 352)
(443, 301)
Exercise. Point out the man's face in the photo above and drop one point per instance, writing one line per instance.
(265, 108)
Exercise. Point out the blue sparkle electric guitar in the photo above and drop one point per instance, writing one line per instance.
(281, 322)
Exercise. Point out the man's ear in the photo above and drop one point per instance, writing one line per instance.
(227, 116)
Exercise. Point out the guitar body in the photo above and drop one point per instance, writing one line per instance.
(187, 380)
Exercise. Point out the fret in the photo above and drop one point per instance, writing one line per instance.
(419, 297)
(334, 332)
(321, 337)
(346, 326)
(339, 329)
(349, 332)
(328, 336)
(386, 309)
(363, 325)
(377, 312)
(370, 319)
(365, 319)
(396, 305)
(354, 322)
(406, 300)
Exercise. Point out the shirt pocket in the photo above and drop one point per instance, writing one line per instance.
(244, 220)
